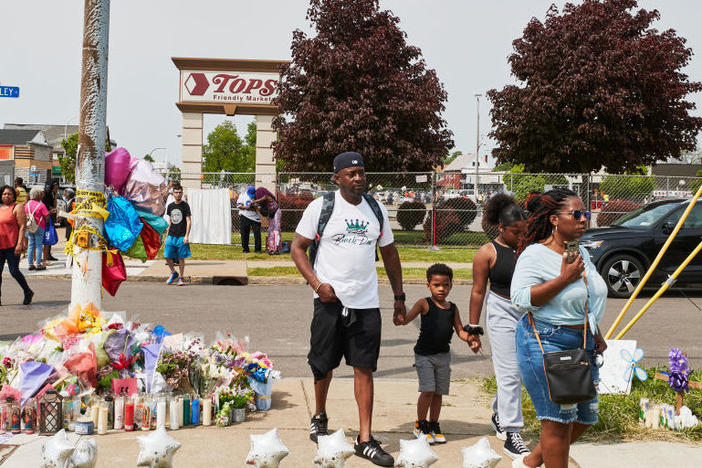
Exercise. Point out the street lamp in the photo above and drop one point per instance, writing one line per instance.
(159, 148)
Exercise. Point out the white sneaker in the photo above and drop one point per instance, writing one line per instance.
(421, 430)
(519, 463)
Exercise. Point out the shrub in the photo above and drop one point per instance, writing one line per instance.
(293, 206)
(627, 186)
(447, 223)
(464, 208)
(411, 213)
(491, 230)
(614, 210)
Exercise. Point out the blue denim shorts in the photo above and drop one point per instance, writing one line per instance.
(531, 368)
(175, 248)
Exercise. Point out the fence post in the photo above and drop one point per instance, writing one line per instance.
(511, 183)
(433, 212)
(588, 203)
(667, 185)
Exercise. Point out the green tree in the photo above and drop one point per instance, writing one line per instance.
(451, 157)
(148, 157)
(68, 159)
(226, 151)
(634, 185)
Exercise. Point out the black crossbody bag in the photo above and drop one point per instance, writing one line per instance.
(568, 373)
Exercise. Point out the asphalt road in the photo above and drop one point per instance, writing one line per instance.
(276, 320)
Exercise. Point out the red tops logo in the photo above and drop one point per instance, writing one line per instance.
(197, 84)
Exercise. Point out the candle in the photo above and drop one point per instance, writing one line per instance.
(146, 416)
(195, 417)
(180, 411)
(110, 412)
(207, 411)
(29, 416)
(186, 410)
(119, 412)
(173, 407)
(161, 414)
(129, 415)
(103, 414)
(95, 414)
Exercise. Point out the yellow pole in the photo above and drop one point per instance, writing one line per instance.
(654, 264)
(662, 289)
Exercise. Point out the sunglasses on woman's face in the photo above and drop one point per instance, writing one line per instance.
(577, 214)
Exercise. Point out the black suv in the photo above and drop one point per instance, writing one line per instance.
(624, 251)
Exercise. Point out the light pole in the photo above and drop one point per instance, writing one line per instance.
(477, 145)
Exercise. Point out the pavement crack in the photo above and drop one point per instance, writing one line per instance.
(307, 402)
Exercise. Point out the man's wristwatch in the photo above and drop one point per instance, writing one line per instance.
(400, 297)
(473, 330)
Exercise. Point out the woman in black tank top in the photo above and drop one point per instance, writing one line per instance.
(495, 262)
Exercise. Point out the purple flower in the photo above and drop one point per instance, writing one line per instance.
(679, 371)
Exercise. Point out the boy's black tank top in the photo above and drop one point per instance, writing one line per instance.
(436, 330)
(503, 269)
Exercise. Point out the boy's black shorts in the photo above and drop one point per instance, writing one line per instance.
(357, 337)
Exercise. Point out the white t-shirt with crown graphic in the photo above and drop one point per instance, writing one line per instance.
(346, 254)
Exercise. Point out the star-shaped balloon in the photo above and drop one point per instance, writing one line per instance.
(85, 455)
(480, 455)
(416, 453)
(157, 449)
(266, 450)
(56, 451)
(333, 450)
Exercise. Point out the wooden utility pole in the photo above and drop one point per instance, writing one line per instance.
(90, 160)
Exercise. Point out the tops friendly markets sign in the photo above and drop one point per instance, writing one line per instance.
(228, 87)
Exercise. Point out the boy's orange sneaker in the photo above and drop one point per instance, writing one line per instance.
(421, 429)
(436, 433)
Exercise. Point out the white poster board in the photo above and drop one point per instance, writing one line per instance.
(613, 372)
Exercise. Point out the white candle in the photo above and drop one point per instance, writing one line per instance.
(94, 414)
(102, 419)
(161, 414)
(174, 414)
(207, 411)
(180, 411)
(119, 412)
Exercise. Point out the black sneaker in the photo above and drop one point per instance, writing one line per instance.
(318, 426)
(28, 295)
(372, 451)
(515, 447)
(499, 432)
(436, 433)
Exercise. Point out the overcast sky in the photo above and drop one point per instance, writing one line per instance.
(466, 41)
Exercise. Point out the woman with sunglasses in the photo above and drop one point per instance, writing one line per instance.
(557, 294)
(495, 261)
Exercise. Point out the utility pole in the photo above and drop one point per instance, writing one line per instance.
(477, 147)
(86, 287)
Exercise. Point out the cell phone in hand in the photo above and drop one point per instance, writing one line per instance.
(573, 249)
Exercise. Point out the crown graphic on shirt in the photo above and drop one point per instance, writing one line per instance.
(356, 226)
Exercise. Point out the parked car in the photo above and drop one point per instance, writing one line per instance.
(624, 251)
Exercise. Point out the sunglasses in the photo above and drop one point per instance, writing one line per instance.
(577, 214)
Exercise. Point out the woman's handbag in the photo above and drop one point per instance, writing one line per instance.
(50, 237)
(568, 374)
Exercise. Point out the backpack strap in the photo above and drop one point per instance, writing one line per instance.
(324, 216)
(372, 202)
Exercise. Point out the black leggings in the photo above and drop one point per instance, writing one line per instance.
(13, 265)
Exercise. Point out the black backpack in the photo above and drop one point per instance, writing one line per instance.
(325, 215)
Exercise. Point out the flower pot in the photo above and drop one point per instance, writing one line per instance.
(238, 414)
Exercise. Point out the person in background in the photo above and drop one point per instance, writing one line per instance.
(495, 261)
(432, 353)
(565, 301)
(177, 245)
(21, 191)
(35, 207)
(12, 241)
(268, 207)
(249, 219)
(69, 197)
(50, 200)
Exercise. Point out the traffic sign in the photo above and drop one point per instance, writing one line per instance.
(9, 91)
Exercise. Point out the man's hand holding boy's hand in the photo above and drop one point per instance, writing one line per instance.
(474, 343)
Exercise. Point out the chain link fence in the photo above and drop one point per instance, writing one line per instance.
(443, 209)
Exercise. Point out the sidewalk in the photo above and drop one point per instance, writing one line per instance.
(465, 419)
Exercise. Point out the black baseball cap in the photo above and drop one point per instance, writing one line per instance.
(347, 159)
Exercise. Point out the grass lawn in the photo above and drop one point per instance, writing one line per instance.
(619, 414)
(407, 273)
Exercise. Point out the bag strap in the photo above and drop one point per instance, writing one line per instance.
(36, 207)
(324, 216)
(376, 210)
(587, 300)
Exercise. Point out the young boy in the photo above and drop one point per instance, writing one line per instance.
(432, 353)
(177, 247)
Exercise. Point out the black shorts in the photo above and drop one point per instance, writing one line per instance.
(356, 337)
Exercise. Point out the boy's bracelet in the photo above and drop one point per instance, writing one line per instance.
(319, 285)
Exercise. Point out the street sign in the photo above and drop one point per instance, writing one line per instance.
(9, 91)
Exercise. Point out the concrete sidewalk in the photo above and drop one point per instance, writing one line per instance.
(465, 419)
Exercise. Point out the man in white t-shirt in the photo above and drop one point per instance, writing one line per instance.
(249, 219)
(346, 318)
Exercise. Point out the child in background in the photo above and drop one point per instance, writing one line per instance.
(432, 352)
